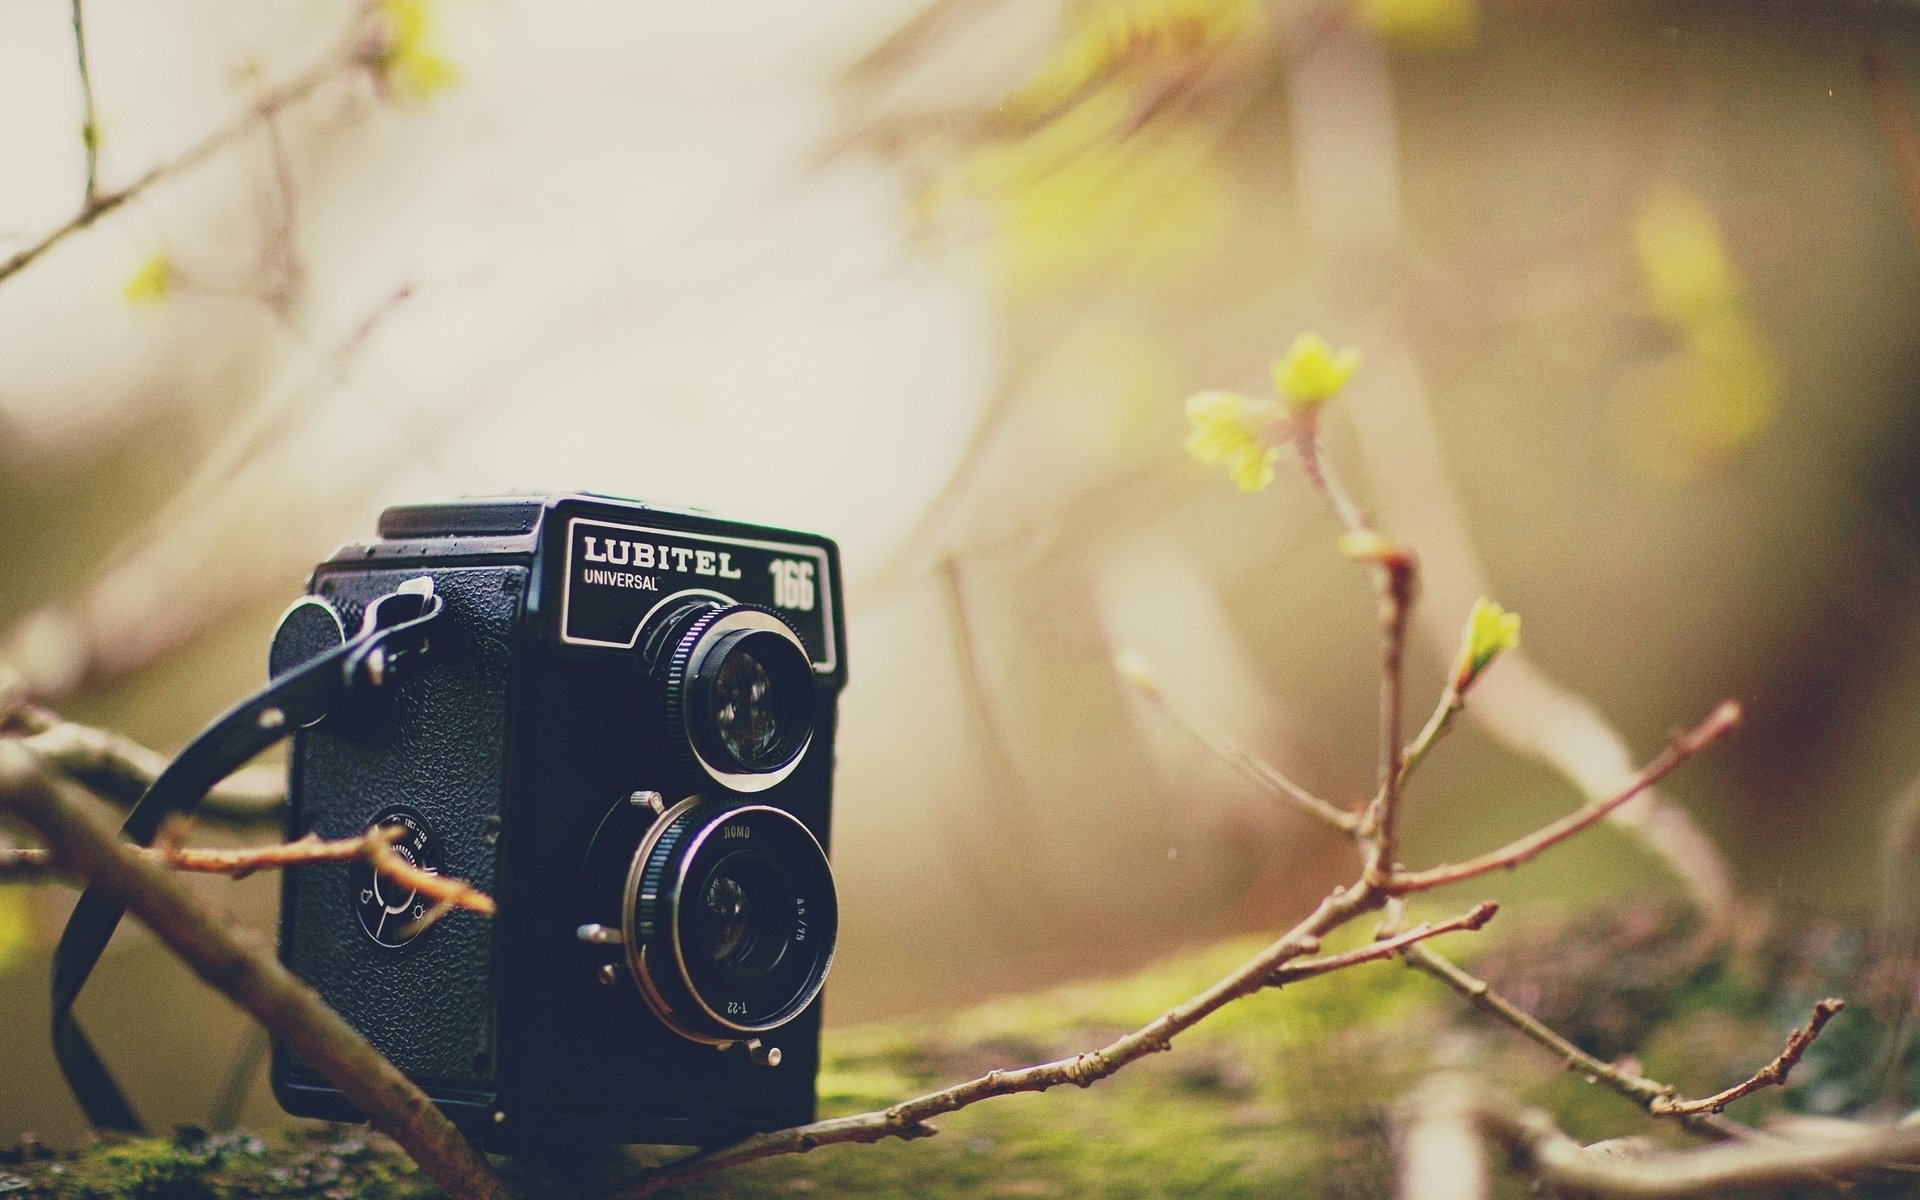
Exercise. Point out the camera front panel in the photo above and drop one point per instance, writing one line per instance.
(601, 762)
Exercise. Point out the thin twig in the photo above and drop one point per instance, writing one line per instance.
(1393, 576)
(31, 864)
(1479, 915)
(89, 127)
(1482, 995)
(1306, 442)
(1647, 1093)
(99, 204)
(27, 864)
(1774, 1074)
(1452, 702)
(1275, 965)
(1716, 725)
(1135, 670)
(1395, 572)
(249, 974)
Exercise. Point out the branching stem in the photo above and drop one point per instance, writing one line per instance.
(1717, 724)
(34, 863)
(1774, 1074)
(97, 204)
(1262, 773)
(90, 126)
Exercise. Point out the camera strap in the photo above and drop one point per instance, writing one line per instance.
(391, 645)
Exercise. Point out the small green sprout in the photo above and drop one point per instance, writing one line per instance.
(1491, 630)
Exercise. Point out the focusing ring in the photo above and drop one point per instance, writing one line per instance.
(659, 884)
(690, 649)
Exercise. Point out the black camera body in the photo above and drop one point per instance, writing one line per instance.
(625, 736)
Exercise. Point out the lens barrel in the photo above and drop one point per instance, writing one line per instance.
(731, 919)
(738, 686)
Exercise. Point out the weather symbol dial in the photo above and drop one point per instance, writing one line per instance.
(392, 913)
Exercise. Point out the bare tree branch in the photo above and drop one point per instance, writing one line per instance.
(1452, 702)
(1770, 1164)
(98, 204)
(1774, 1074)
(1717, 724)
(27, 864)
(1387, 947)
(1656, 1097)
(90, 126)
(1136, 671)
(1395, 571)
(83, 844)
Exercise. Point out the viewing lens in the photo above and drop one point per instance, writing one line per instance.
(738, 685)
(756, 716)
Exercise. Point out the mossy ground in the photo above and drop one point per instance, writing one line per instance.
(1290, 1093)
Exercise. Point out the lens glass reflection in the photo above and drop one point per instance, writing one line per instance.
(746, 916)
(746, 707)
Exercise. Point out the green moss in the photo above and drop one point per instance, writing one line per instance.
(144, 1170)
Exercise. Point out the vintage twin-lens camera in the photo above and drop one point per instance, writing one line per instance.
(624, 733)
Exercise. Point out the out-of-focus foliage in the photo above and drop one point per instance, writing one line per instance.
(16, 925)
(1228, 427)
(1719, 386)
(151, 282)
(1430, 25)
(1073, 171)
(410, 62)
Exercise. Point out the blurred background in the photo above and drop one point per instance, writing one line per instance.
(1636, 286)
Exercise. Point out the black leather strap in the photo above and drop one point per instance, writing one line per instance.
(391, 645)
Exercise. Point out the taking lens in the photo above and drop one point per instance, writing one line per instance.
(746, 913)
(736, 916)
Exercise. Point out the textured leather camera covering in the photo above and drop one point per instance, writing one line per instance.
(437, 746)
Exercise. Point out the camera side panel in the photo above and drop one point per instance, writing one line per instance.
(433, 756)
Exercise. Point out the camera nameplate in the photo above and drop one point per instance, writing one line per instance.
(617, 576)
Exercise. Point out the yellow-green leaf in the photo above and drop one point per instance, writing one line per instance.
(1491, 631)
(1312, 372)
